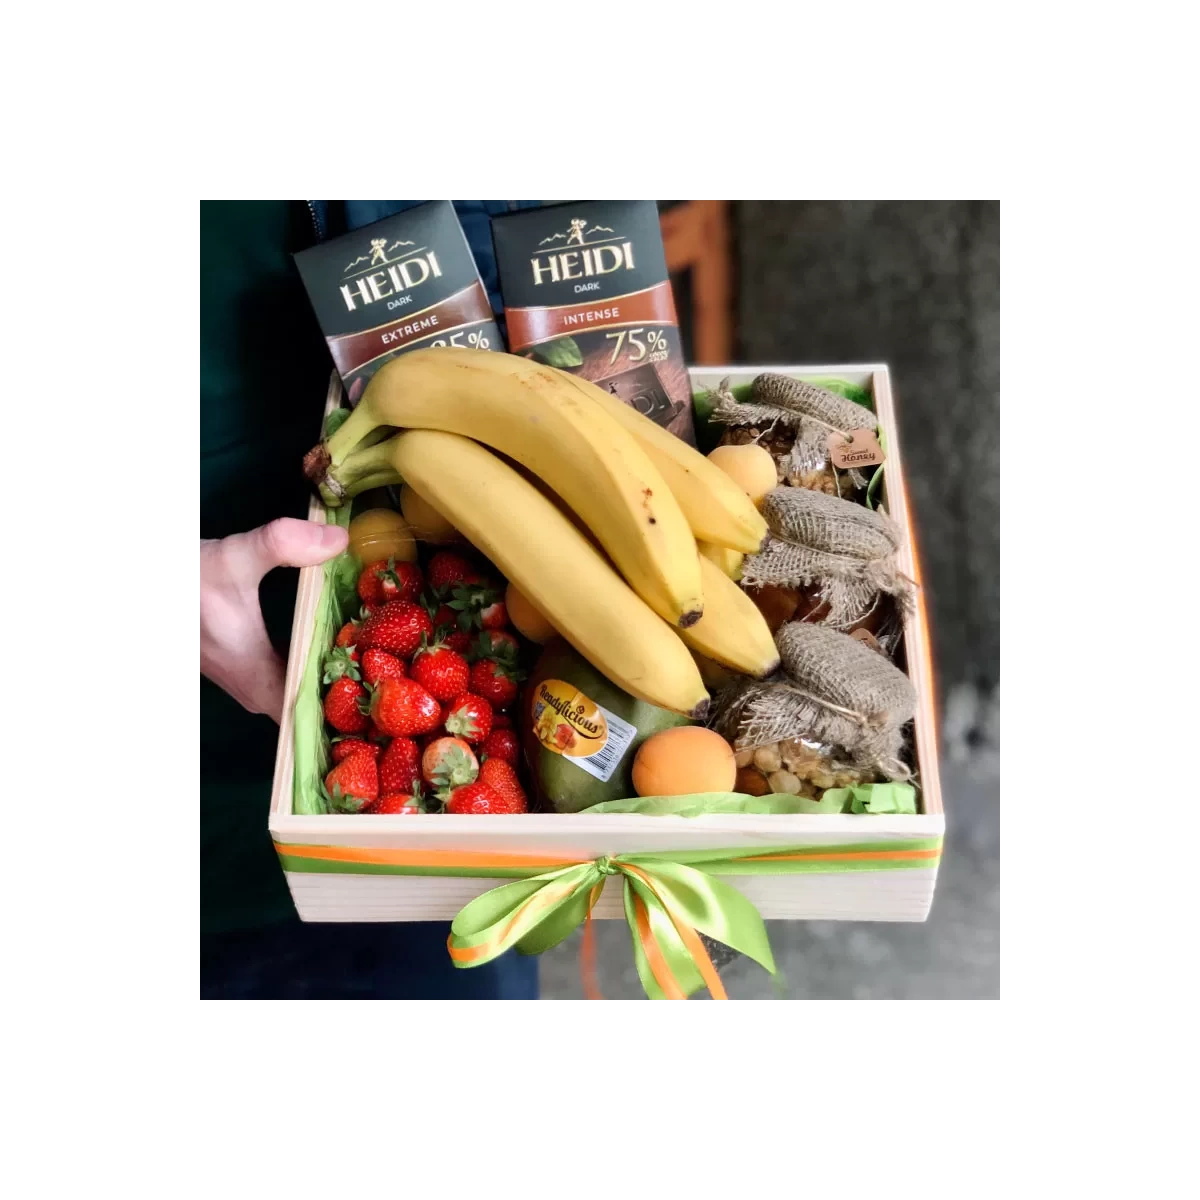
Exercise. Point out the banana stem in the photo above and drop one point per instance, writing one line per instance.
(372, 463)
(347, 437)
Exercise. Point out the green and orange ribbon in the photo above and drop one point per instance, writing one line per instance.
(670, 898)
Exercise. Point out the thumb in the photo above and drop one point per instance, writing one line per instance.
(286, 542)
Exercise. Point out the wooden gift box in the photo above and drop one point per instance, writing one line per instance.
(853, 896)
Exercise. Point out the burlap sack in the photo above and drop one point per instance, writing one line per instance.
(831, 689)
(812, 411)
(728, 411)
(842, 548)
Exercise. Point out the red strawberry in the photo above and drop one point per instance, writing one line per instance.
(494, 616)
(369, 591)
(399, 803)
(445, 627)
(469, 717)
(447, 569)
(400, 581)
(400, 767)
(347, 635)
(375, 734)
(496, 682)
(352, 784)
(403, 707)
(378, 664)
(341, 663)
(396, 628)
(342, 748)
(440, 671)
(471, 600)
(496, 643)
(478, 798)
(502, 744)
(447, 763)
(501, 721)
(502, 779)
(342, 707)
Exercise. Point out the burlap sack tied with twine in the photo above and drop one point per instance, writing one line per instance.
(842, 548)
(813, 411)
(831, 689)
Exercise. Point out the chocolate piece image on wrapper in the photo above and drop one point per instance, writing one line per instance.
(405, 283)
(586, 290)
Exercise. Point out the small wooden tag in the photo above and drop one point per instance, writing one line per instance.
(867, 638)
(861, 450)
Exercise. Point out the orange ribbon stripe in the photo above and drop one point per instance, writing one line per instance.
(425, 858)
(548, 896)
(587, 949)
(654, 954)
(844, 856)
(690, 939)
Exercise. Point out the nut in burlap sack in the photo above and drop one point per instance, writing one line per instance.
(844, 549)
(832, 690)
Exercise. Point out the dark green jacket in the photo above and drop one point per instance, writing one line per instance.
(264, 368)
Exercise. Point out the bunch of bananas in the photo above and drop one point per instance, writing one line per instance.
(620, 577)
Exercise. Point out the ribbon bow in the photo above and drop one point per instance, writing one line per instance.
(667, 904)
(670, 899)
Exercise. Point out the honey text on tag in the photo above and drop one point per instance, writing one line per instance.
(861, 450)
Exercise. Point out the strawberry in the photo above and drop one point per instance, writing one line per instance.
(347, 635)
(502, 744)
(399, 803)
(478, 798)
(440, 671)
(469, 717)
(375, 734)
(343, 706)
(502, 779)
(342, 748)
(471, 600)
(396, 628)
(352, 784)
(447, 763)
(341, 663)
(403, 707)
(378, 664)
(400, 767)
(445, 626)
(501, 721)
(495, 681)
(495, 643)
(447, 569)
(400, 581)
(494, 615)
(369, 591)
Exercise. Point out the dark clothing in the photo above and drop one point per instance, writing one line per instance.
(264, 371)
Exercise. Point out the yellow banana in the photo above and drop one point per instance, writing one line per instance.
(715, 507)
(732, 631)
(730, 561)
(532, 414)
(553, 564)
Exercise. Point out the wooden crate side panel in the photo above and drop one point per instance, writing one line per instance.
(885, 896)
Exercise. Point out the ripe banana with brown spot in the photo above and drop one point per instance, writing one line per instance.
(732, 631)
(552, 564)
(534, 415)
(716, 508)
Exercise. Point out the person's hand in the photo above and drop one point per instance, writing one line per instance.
(235, 652)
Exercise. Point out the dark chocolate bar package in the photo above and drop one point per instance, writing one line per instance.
(404, 283)
(586, 289)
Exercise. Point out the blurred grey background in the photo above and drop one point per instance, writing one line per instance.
(915, 284)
